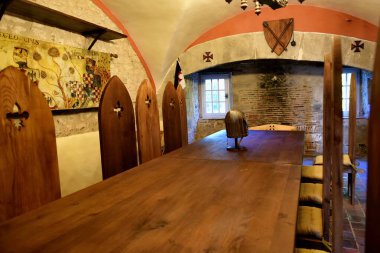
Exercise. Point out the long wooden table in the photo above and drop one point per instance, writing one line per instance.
(186, 201)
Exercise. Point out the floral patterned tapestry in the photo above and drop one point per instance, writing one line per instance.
(69, 78)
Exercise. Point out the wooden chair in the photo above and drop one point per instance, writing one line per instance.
(349, 166)
(171, 119)
(274, 127)
(313, 217)
(312, 174)
(28, 161)
(183, 115)
(311, 194)
(148, 123)
(116, 129)
(336, 149)
(349, 161)
(372, 242)
(313, 223)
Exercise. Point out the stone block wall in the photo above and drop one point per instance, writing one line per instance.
(192, 106)
(361, 138)
(206, 127)
(282, 92)
(198, 128)
(279, 92)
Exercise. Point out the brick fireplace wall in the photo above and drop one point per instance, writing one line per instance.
(282, 92)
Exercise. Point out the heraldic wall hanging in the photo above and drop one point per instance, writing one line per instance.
(278, 34)
(69, 78)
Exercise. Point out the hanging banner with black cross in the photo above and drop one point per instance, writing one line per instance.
(278, 34)
(357, 45)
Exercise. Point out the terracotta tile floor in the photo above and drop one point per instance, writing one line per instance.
(354, 221)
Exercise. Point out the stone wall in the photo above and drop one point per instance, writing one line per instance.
(192, 106)
(277, 96)
(280, 92)
(206, 127)
(126, 66)
(361, 139)
(364, 94)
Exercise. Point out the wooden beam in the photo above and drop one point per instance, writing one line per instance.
(337, 154)
(327, 90)
(352, 119)
(372, 236)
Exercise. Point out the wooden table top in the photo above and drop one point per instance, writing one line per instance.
(284, 147)
(170, 204)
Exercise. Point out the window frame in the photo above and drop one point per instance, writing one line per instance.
(228, 90)
(346, 71)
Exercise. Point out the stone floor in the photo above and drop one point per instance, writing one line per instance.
(354, 222)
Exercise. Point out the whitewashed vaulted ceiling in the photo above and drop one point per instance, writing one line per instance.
(163, 29)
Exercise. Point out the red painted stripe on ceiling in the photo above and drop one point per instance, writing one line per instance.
(307, 19)
(117, 22)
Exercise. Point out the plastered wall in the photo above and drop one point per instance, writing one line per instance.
(79, 161)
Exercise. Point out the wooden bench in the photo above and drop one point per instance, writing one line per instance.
(313, 223)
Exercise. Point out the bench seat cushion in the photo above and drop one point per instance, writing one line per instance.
(312, 172)
(311, 193)
(318, 160)
(309, 251)
(309, 222)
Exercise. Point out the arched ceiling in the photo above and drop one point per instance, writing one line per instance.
(163, 29)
